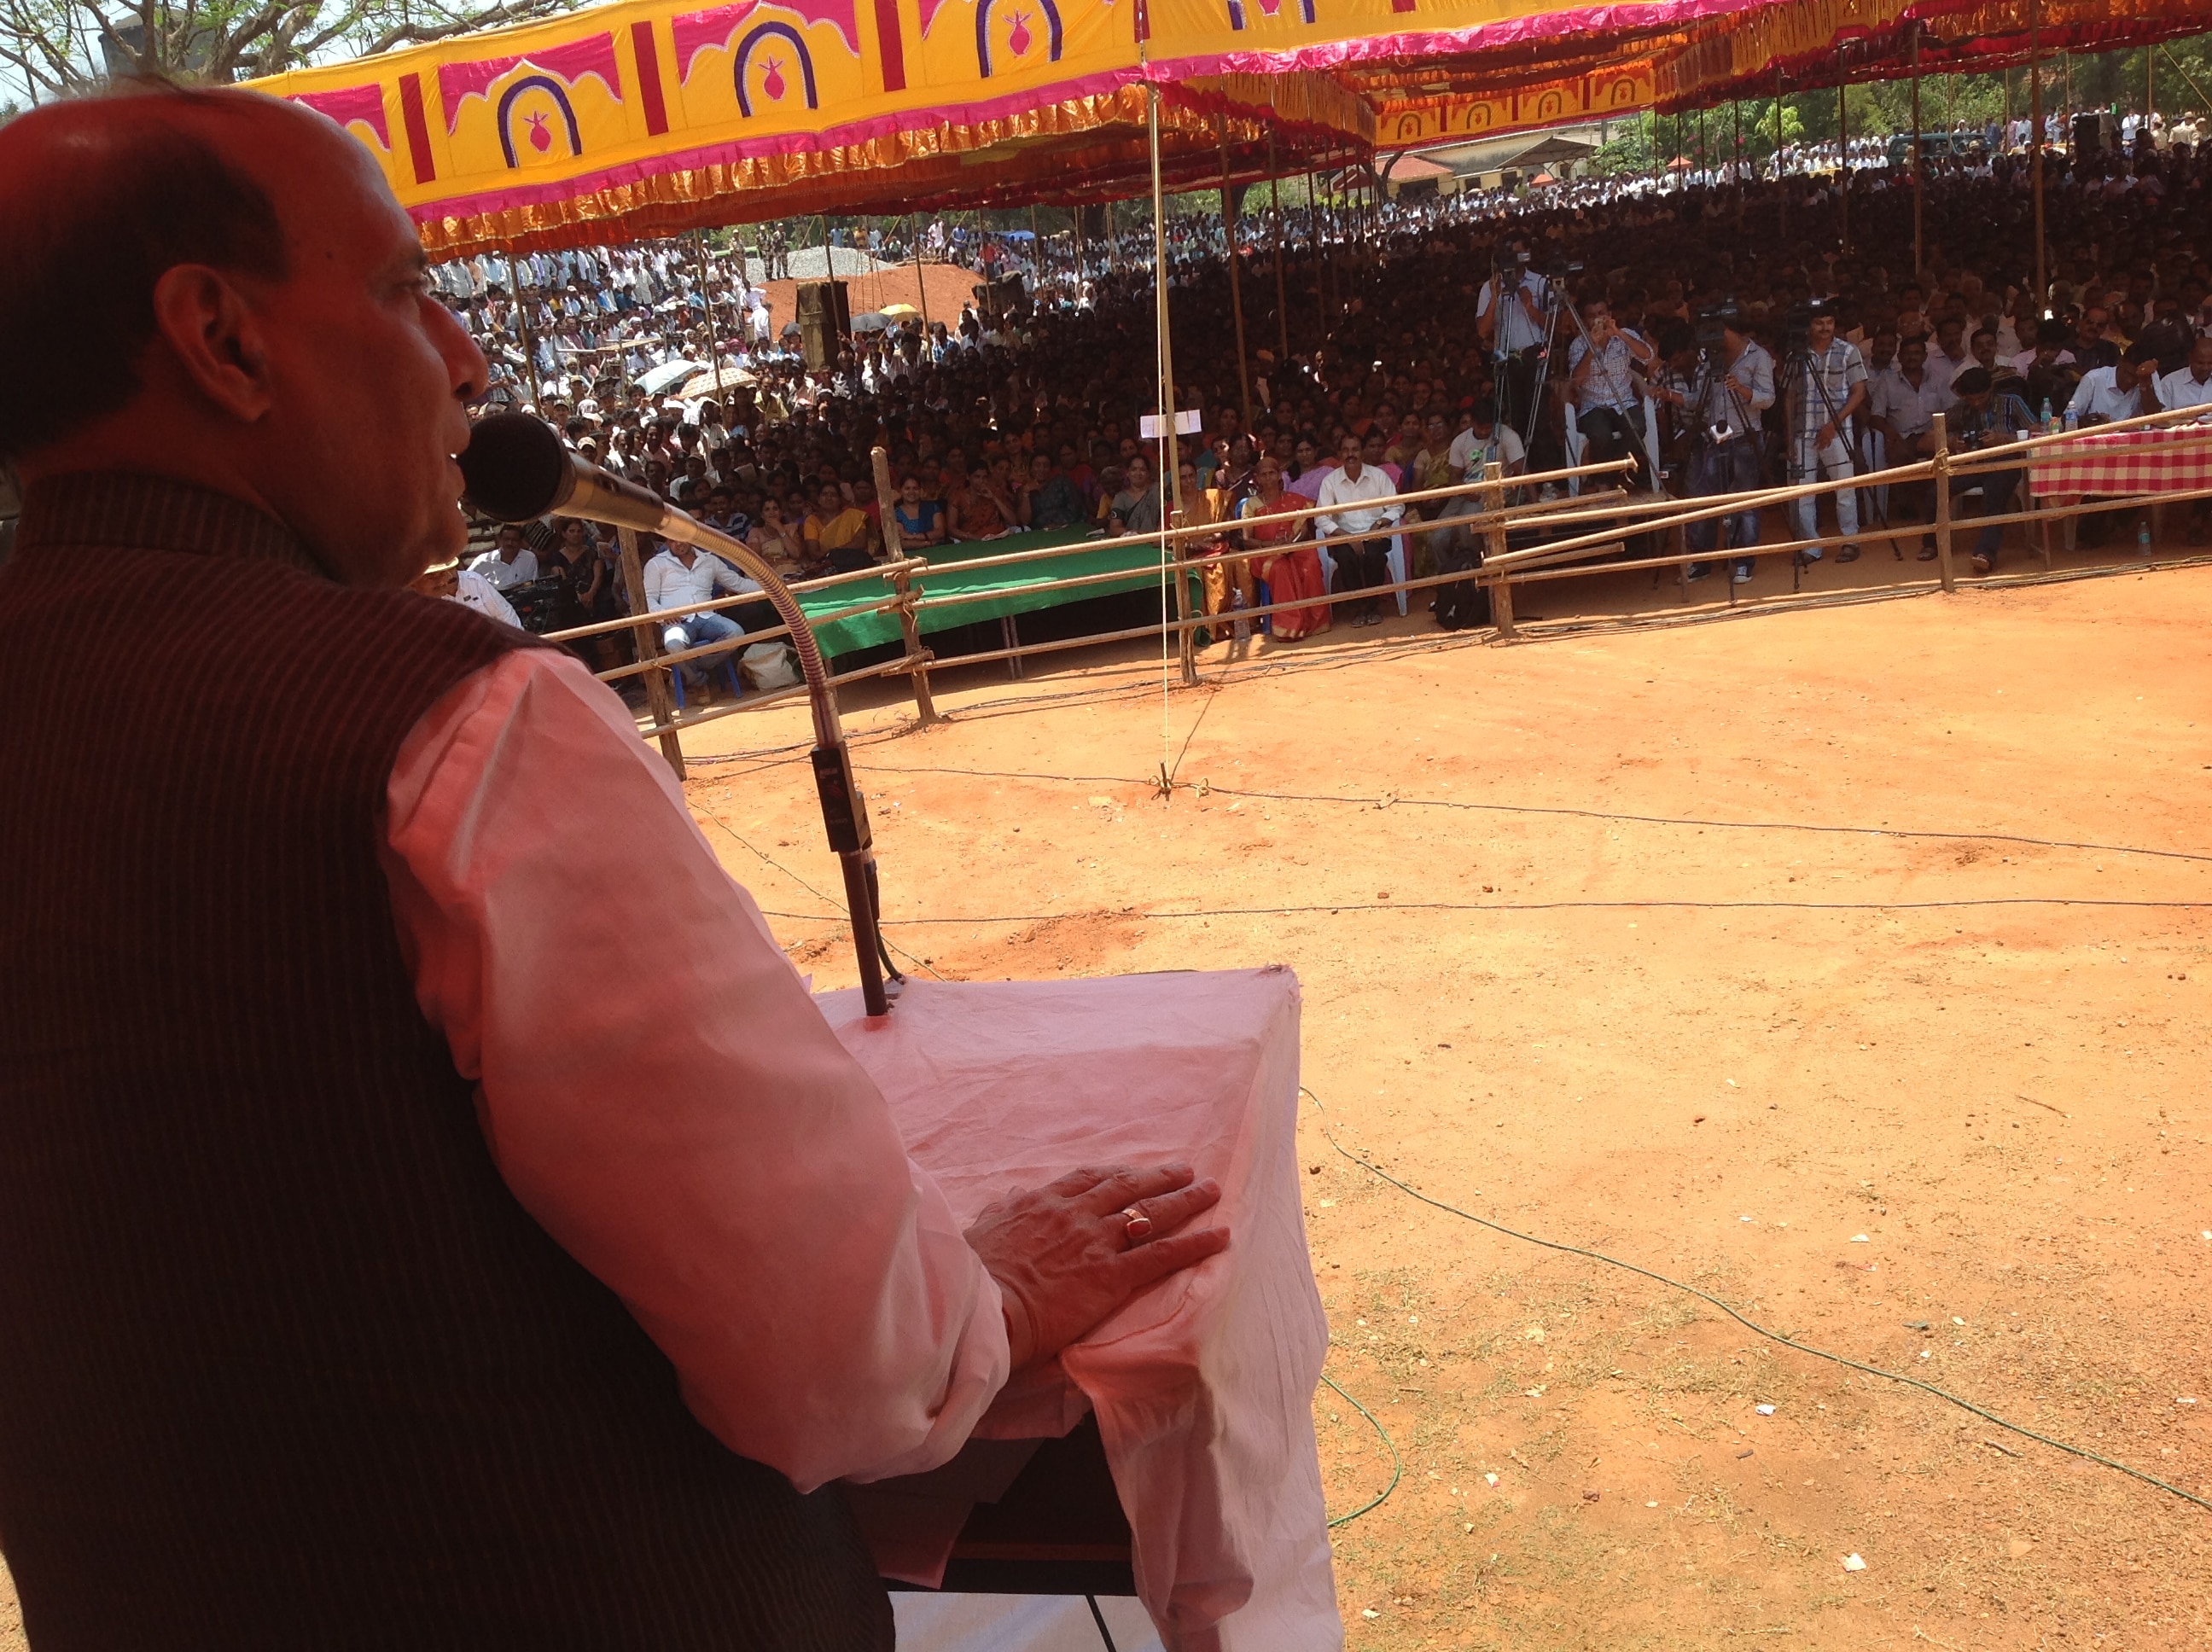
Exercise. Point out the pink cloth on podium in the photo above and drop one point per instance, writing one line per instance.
(1203, 1385)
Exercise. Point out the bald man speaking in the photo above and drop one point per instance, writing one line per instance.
(432, 1213)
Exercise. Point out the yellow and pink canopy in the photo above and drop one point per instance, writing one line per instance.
(655, 116)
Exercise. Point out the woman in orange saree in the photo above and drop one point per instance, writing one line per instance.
(1293, 574)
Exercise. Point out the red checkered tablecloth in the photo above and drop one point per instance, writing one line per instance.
(2174, 459)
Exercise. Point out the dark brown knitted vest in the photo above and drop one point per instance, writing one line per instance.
(282, 1363)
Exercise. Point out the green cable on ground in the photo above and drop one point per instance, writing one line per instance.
(1397, 1463)
(1749, 1324)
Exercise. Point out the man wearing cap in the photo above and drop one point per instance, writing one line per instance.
(431, 1212)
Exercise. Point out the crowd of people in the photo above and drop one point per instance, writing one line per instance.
(1717, 337)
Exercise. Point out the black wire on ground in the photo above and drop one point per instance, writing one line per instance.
(1559, 811)
(1734, 1314)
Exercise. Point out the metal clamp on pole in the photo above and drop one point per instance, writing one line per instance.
(517, 470)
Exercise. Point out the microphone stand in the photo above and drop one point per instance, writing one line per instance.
(517, 470)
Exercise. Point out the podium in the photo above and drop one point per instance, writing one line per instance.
(1199, 1391)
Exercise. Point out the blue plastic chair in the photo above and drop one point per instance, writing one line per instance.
(727, 664)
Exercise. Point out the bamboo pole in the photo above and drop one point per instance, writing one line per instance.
(1282, 299)
(1919, 264)
(1843, 159)
(1170, 485)
(530, 383)
(1781, 195)
(917, 656)
(1323, 265)
(2035, 144)
(1235, 284)
(1501, 591)
(1943, 503)
(657, 697)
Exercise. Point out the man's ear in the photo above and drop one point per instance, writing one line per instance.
(215, 338)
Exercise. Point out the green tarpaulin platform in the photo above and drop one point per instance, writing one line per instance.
(997, 591)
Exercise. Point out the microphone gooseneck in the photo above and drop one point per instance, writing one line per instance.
(516, 470)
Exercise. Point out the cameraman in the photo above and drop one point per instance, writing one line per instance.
(1826, 380)
(1602, 377)
(1508, 318)
(1733, 385)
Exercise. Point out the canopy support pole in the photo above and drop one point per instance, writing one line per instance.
(1235, 283)
(1781, 198)
(1919, 264)
(2035, 142)
(1844, 161)
(2151, 84)
(1282, 302)
(1736, 166)
(1036, 252)
(921, 288)
(522, 325)
(1171, 483)
(705, 303)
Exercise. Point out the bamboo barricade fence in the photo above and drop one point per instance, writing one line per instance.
(1490, 521)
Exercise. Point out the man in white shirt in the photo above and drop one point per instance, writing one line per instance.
(2114, 392)
(468, 588)
(1362, 562)
(2191, 386)
(510, 563)
(1904, 402)
(1508, 317)
(682, 575)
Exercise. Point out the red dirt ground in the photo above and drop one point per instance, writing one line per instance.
(2006, 1100)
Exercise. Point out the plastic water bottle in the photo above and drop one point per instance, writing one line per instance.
(2049, 423)
(2143, 537)
(2073, 420)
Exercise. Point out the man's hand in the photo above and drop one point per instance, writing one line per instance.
(1065, 1256)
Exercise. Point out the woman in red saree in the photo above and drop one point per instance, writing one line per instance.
(1294, 574)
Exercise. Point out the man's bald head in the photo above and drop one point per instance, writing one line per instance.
(100, 196)
(221, 288)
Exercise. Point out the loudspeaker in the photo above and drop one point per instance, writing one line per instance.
(1006, 296)
(825, 318)
(825, 300)
(2088, 134)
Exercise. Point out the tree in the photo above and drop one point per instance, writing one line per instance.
(57, 48)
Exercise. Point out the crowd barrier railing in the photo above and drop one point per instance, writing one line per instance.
(1481, 509)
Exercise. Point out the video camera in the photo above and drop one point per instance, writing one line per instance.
(1798, 329)
(1713, 321)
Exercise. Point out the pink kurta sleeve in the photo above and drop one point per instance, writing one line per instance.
(661, 1094)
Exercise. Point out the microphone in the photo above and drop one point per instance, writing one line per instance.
(515, 469)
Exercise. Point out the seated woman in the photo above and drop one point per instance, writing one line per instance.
(983, 514)
(920, 521)
(779, 544)
(1294, 574)
(838, 533)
